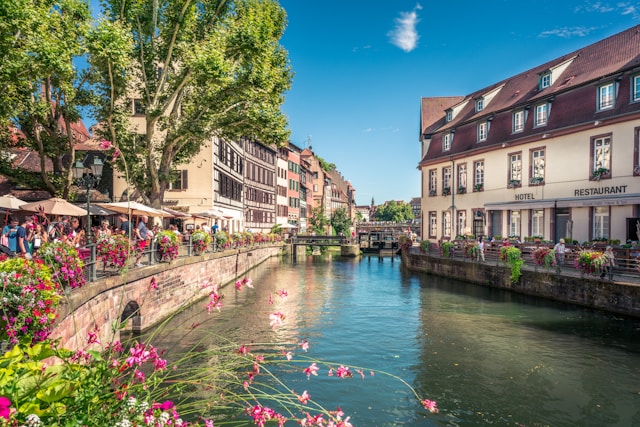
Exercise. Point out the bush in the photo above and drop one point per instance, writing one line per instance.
(512, 256)
(447, 249)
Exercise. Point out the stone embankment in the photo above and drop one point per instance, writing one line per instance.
(569, 286)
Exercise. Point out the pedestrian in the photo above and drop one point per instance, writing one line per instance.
(125, 225)
(40, 237)
(22, 236)
(481, 249)
(610, 262)
(560, 250)
(141, 233)
(10, 231)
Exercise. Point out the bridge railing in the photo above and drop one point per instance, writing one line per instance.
(319, 240)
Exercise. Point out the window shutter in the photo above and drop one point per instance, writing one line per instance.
(184, 179)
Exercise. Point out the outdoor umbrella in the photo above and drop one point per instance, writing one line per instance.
(134, 208)
(9, 203)
(287, 225)
(210, 213)
(54, 206)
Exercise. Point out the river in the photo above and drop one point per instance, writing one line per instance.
(488, 357)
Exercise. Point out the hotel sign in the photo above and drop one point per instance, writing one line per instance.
(581, 192)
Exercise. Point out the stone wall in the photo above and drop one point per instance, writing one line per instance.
(178, 284)
(623, 298)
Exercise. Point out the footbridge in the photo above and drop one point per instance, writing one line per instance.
(317, 241)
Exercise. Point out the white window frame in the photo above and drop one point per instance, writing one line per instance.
(449, 115)
(462, 175)
(433, 180)
(462, 222)
(545, 80)
(478, 172)
(600, 222)
(518, 121)
(446, 178)
(479, 104)
(606, 96)
(515, 167)
(514, 223)
(483, 131)
(635, 88)
(602, 153)
(446, 141)
(542, 114)
(446, 223)
(537, 222)
(433, 224)
(538, 163)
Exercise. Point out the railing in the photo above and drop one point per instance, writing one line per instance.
(94, 269)
(627, 259)
(319, 240)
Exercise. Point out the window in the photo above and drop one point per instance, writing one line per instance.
(537, 222)
(537, 166)
(433, 224)
(601, 157)
(446, 223)
(446, 179)
(635, 88)
(518, 121)
(483, 130)
(514, 223)
(545, 80)
(446, 141)
(478, 175)
(541, 114)
(479, 104)
(462, 178)
(515, 169)
(138, 107)
(462, 222)
(433, 182)
(601, 222)
(605, 97)
(449, 115)
(179, 182)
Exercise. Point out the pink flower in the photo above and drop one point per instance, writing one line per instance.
(304, 397)
(105, 145)
(304, 344)
(276, 319)
(153, 284)
(5, 407)
(311, 370)
(430, 405)
(243, 349)
(283, 293)
(248, 282)
(289, 355)
(239, 285)
(344, 372)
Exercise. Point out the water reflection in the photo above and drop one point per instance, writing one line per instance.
(488, 357)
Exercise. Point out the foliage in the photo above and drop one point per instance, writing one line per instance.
(590, 262)
(512, 256)
(425, 245)
(222, 238)
(318, 221)
(404, 241)
(340, 222)
(472, 250)
(29, 297)
(447, 248)
(544, 255)
(65, 263)
(200, 241)
(41, 89)
(394, 211)
(113, 250)
(200, 69)
(168, 245)
(326, 166)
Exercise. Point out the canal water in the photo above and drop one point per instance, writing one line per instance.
(488, 357)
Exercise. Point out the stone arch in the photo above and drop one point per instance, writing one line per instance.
(132, 311)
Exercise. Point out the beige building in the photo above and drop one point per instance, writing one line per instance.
(551, 152)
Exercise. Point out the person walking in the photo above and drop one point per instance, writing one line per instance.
(125, 225)
(609, 263)
(141, 233)
(23, 234)
(481, 249)
(10, 231)
(560, 250)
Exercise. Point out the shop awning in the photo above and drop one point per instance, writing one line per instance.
(633, 199)
(516, 206)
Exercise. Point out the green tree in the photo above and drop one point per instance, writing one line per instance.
(394, 211)
(41, 89)
(318, 220)
(196, 69)
(340, 221)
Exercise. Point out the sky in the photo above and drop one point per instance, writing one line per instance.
(362, 67)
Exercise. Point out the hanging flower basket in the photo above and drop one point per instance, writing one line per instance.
(167, 244)
(113, 250)
(599, 173)
(200, 240)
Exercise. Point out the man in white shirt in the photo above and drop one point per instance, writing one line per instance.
(560, 250)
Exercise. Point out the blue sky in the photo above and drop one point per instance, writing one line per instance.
(361, 68)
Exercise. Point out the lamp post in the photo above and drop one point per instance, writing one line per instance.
(88, 178)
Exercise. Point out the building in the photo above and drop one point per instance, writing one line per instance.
(416, 207)
(293, 189)
(551, 152)
(259, 186)
(282, 203)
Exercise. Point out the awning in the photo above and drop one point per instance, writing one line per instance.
(516, 206)
(599, 201)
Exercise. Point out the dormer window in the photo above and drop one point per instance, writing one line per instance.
(545, 80)
(483, 131)
(542, 114)
(479, 104)
(606, 96)
(449, 115)
(446, 141)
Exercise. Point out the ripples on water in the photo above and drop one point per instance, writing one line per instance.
(488, 357)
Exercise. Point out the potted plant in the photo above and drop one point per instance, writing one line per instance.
(536, 180)
(433, 193)
(447, 249)
(200, 240)
(599, 173)
(514, 183)
(168, 244)
(544, 256)
(462, 190)
(512, 256)
(478, 187)
(446, 191)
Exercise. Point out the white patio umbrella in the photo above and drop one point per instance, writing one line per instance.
(210, 213)
(54, 206)
(134, 208)
(10, 202)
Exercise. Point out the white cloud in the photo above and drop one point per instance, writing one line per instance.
(567, 32)
(404, 35)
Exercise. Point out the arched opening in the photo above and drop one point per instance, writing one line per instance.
(131, 317)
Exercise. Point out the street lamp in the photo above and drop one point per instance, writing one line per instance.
(88, 178)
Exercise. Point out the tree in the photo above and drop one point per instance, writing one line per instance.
(41, 89)
(394, 211)
(318, 220)
(340, 221)
(196, 69)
